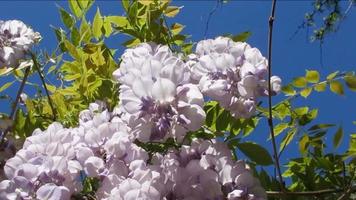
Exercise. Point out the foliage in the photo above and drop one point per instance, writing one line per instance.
(80, 72)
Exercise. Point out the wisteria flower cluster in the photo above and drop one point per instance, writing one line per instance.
(232, 73)
(206, 170)
(16, 38)
(156, 95)
(161, 97)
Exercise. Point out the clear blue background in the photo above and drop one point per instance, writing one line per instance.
(291, 56)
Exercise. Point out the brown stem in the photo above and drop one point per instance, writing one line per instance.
(14, 105)
(35, 63)
(270, 117)
(311, 193)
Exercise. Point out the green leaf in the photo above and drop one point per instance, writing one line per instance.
(288, 90)
(320, 126)
(312, 76)
(176, 28)
(338, 137)
(256, 153)
(125, 4)
(67, 18)
(306, 92)
(320, 87)
(336, 87)
(6, 85)
(118, 21)
(107, 27)
(75, 36)
(351, 82)
(242, 37)
(97, 24)
(279, 128)
(72, 50)
(303, 143)
(287, 139)
(50, 69)
(132, 42)
(75, 8)
(299, 82)
(332, 75)
(171, 11)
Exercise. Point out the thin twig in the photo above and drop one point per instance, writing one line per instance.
(218, 2)
(310, 193)
(35, 64)
(14, 105)
(270, 117)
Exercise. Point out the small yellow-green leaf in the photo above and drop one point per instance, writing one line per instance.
(332, 75)
(288, 90)
(51, 88)
(303, 144)
(72, 49)
(118, 21)
(75, 8)
(299, 82)
(107, 27)
(97, 24)
(132, 42)
(145, 2)
(171, 11)
(279, 128)
(320, 87)
(306, 92)
(67, 18)
(338, 137)
(6, 85)
(336, 87)
(50, 69)
(242, 37)
(312, 76)
(351, 82)
(287, 139)
(176, 28)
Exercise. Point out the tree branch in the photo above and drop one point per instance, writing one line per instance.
(270, 117)
(312, 193)
(35, 63)
(14, 105)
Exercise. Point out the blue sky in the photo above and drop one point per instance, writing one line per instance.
(290, 56)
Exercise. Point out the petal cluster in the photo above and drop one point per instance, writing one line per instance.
(206, 170)
(16, 38)
(232, 73)
(156, 95)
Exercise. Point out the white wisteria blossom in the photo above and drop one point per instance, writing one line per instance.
(206, 170)
(232, 73)
(156, 96)
(16, 38)
(45, 167)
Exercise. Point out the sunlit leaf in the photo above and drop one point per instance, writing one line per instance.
(288, 90)
(351, 82)
(97, 24)
(320, 87)
(6, 85)
(75, 8)
(241, 37)
(332, 75)
(312, 76)
(171, 11)
(306, 92)
(336, 87)
(67, 18)
(299, 82)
